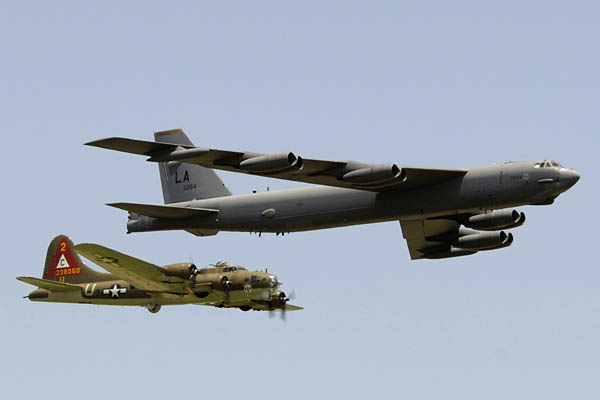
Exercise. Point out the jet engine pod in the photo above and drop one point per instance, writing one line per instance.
(472, 240)
(179, 154)
(183, 271)
(501, 219)
(271, 162)
(438, 252)
(376, 174)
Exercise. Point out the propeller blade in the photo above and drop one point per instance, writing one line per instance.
(226, 283)
(283, 314)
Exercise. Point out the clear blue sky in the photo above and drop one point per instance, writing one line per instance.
(453, 84)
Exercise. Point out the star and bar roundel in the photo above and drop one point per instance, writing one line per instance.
(63, 264)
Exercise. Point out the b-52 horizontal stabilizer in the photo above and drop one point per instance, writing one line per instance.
(49, 285)
(157, 211)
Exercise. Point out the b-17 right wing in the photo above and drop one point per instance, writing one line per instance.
(141, 274)
(288, 166)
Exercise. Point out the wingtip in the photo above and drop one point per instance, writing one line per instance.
(94, 142)
(97, 142)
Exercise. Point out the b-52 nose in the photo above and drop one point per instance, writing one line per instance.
(568, 178)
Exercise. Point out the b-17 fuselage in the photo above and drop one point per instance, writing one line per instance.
(132, 282)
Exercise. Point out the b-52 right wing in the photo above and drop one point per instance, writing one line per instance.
(288, 166)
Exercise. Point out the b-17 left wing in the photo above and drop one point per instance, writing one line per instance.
(288, 166)
(141, 274)
(266, 307)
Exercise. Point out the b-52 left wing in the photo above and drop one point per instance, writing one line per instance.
(141, 274)
(288, 166)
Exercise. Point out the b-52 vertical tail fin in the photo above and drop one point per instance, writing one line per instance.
(185, 182)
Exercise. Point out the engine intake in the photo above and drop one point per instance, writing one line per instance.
(495, 220)
(376, 174)
(271, 162)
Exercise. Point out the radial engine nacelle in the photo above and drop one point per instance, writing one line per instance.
(183, 271)
(495, 220)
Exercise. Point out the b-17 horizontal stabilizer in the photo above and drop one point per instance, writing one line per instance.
(49, 285)
(157, 211)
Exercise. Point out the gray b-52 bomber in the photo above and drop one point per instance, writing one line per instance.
(443, 212)
(133, 282)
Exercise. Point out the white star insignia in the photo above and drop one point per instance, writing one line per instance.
(115, 291)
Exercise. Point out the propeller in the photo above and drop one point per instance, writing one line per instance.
(292, 296)
(193, 273)
(283, 299)
(226, 283)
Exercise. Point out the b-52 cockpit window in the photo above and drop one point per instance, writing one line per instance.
(547, 164)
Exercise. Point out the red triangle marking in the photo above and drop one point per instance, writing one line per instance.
(63, 250)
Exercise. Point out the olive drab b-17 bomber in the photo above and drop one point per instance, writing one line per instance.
(133, 282)
(443, 212)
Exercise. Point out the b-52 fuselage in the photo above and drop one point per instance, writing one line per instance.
(434, 206)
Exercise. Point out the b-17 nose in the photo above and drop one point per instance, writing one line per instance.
(568, 178)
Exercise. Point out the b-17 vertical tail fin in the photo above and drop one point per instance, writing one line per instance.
(185, 182)
(64, 265)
